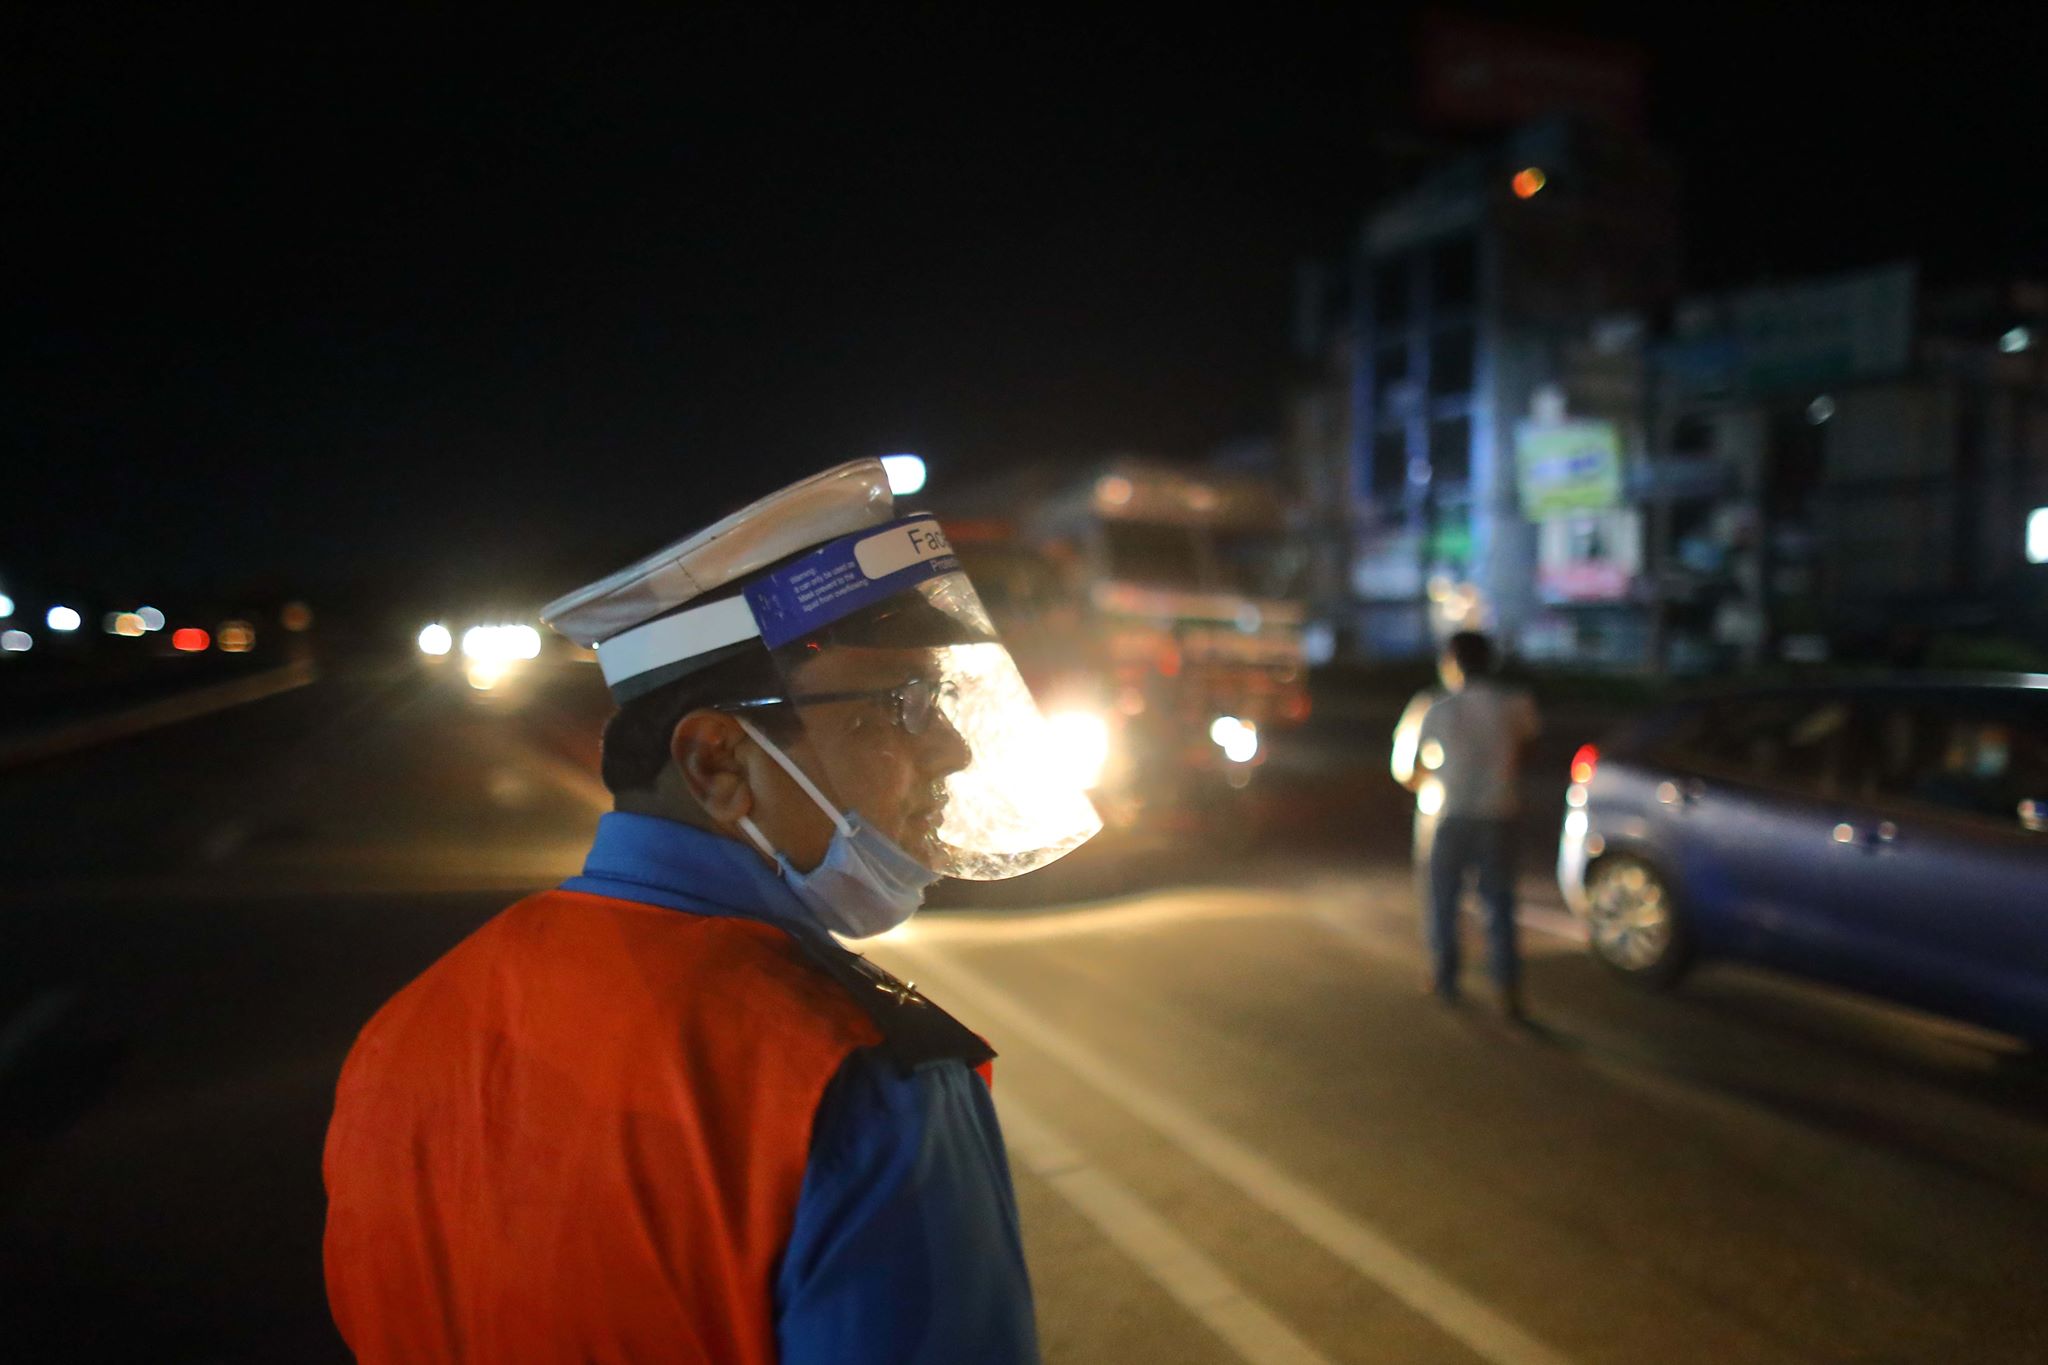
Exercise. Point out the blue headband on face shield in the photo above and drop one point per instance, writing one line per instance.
(865, 884)
(879, 584)
(847, 575)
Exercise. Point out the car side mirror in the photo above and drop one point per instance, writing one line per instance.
(2034, 815)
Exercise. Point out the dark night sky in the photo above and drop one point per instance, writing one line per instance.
(305, 303)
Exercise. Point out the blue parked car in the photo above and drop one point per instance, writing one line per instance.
(1890, 837)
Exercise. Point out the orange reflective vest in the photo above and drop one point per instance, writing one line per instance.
(581, 1136)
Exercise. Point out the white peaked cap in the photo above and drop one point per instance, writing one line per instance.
(636, 611)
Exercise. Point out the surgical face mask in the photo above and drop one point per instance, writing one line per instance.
(865, 884)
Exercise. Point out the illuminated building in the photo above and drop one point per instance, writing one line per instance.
(1491, 327)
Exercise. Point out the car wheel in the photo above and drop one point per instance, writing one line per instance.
(1633, 921)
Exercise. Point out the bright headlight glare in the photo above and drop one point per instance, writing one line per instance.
(500, 644)
(435, 639)
(485, 674)
(1080, 743)
(1238, 739)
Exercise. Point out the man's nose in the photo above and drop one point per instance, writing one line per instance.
(944, 750)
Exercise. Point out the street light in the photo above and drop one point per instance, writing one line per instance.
(62, 619)
(2015, 340)
(906, 474)
(2037, 536)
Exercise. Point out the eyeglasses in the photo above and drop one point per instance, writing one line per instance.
(914, 702)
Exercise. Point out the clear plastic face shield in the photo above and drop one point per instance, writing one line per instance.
(915, 714)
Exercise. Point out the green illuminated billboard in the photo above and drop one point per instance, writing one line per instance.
(1567, 467)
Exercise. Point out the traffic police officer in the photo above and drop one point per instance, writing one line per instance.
(661, 1113)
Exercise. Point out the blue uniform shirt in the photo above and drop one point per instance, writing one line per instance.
(905, 1247)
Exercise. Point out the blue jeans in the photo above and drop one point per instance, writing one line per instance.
(1462, 844)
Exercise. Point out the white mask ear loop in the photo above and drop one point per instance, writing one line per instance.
(753, 831)
(801, 778)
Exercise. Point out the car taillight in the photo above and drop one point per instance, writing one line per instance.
(1584, 762)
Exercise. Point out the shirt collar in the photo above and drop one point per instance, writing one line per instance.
(663, 862)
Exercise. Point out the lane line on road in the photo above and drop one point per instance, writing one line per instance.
(204, 701)
(1174, 1263)
(1135, 913)
(1455, 1310)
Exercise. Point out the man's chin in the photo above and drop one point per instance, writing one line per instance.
(924, 846)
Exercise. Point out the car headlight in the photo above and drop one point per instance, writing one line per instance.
(1079, 741)
(500, 644)
(1238, 739)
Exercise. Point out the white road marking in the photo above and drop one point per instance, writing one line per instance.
(1150, 910)
(1451, 1307)
(1177, 1265)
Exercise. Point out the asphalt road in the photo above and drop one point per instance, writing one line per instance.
(1239, 1129)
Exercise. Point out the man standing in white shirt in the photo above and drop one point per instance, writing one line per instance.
(1459, 749)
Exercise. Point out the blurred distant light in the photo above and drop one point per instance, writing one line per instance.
(236, 637)
(906, 474)
(1820, 409)
(6, 606)
(2037, 536)
(1528, 182)
(1238, 739)
(122, 623)
(62, 618)
(1115, 490)
(2015, 340)
(1078, 742)
(1318, 643)
(152, 619)
(190, 640)
(500, 644)
(435, 639)
(16, 641)
(485, 674)
(296, 617)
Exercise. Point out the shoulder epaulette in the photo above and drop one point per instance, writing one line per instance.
(914, 1030)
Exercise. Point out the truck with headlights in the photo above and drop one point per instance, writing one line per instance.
(1149, 609)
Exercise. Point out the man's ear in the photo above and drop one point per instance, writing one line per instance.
(705, 747)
